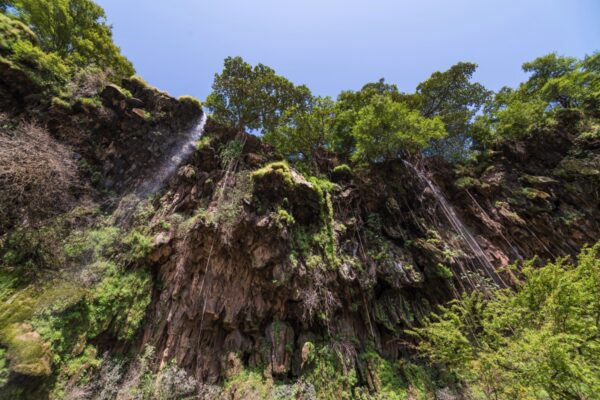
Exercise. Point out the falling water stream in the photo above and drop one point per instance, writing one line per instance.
(174, 158)
(458, 226)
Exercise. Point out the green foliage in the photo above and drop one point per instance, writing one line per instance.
(285, 217)
(349, 103)
(75, 31)
(230, 152)
(331, 373)
(118, 304)
(555, 83)
(91, 244)
(12, 31)
(281, 168)
(451, 96)
(138, 243)
(397, 380)
(32, 250)
(203, 142)
(305, 132)
(386, 130)
(4, 372)
(230, 203)
(342, 169)
(441, 271)
(249, 384)
(538, 341)
(45, 69)
(247, 97)
(192, 100)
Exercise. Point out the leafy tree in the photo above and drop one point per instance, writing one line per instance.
(386, 129)
(544, 69)
(75, 30)
(349, 103)
(305, 132)
(563, 81)
(541, 340)
(555, 83)
(451, 96)
(253, 97)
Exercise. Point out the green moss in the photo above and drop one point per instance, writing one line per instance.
(4, 371)
(577, 166)
(27, 352)
(443, 272)
(467, 182)
(533, 194)
(191, 100)
(27, 349)
(280, 168)
(342, 169)
(326, 238)
(60, 103)
(203, 143)
(140, 81)
(90, 102)
(285, 217)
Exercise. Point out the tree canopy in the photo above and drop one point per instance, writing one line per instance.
(254, 98)
(386, 129)
(75, 30)
(305, 132)
(448, 115)
(452, 97)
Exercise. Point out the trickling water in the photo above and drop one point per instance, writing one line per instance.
(458, 225)
(174, 158)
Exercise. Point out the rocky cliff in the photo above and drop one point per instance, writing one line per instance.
(253, 266)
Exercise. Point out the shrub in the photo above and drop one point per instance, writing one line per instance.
(537, 341)
(139, 244)
(118, 304)
(36, 173)
(46, 69)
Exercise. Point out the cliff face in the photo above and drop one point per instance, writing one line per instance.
(271, 260)
(254, 265)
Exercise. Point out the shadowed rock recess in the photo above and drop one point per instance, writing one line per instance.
(241, 269)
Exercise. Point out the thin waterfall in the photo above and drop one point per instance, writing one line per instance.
(458, 226)
(174, 158)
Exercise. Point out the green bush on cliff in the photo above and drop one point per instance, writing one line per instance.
(332, 373)
(118, 304)
(45, 69)
(538, 341)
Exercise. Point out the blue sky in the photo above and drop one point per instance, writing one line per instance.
(331, 45)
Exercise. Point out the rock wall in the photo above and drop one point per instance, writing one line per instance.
(252, 291)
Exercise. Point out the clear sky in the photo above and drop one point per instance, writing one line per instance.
(331, 45)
